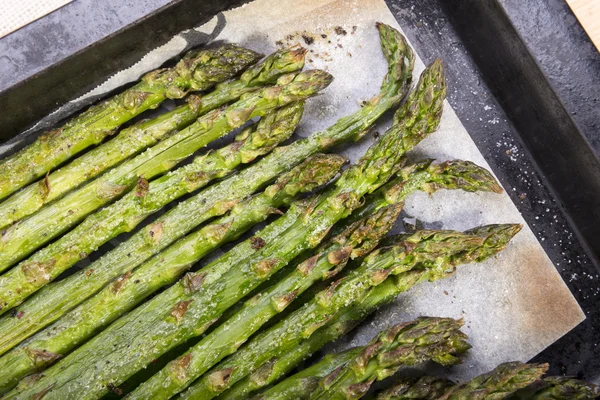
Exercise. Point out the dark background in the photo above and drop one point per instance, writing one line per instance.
(523, 79)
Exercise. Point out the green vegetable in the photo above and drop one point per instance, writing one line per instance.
(133, 140)
(134, 286)
(429, 177)
(198, 70)
(172, 316)
(438, 339)
(500, 383)
(124, 215)
(410, 388)
(261, 369)
(558, 388)
(553, 387)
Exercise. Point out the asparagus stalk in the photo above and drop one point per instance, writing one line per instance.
(411, 388)
(216, 200)
(35, 272)
(394, 87)
(300, 384)
(500, 383)
(55, 301)
(50, 304)
(426, 338)
(429, 177)
(558, 388)
(129, 211)
(554, 387)
(132, 140)
(358, 239)
(219, 198)
(131, 288)
(429, 248)
(198, 70)
(260, 373)
(187, 308)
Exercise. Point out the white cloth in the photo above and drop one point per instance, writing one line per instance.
(15, 14)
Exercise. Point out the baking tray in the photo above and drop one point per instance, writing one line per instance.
(525, 131)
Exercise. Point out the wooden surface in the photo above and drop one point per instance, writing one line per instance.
(588, 14)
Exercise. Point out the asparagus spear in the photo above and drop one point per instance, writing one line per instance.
(411, 388)
(357, 239)
(50, 304)
(500, 383)
(426, 338)
(558, 388)
(132, 140)
(56, 299)
(198, 70)
(35, 272)
(259, 373)
(300, 384)
(187, 308)
(132, 287)
(219, 198)
(429, 177)
(394, 87)
(428, 248)
(216, 200)
(129, 211)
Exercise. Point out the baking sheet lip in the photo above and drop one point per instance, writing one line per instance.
(176, 8)
(107, 38)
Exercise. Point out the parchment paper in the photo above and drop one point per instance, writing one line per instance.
(514, 305)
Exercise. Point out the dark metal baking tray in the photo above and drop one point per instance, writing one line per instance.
(523, 78)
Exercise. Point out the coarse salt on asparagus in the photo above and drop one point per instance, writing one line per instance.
(198, 70)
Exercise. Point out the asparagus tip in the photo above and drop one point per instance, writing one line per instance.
(464, 175)
(496, 235)
(401, 60)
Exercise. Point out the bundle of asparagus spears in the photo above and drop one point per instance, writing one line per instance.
(351, 374)
(144, 320)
